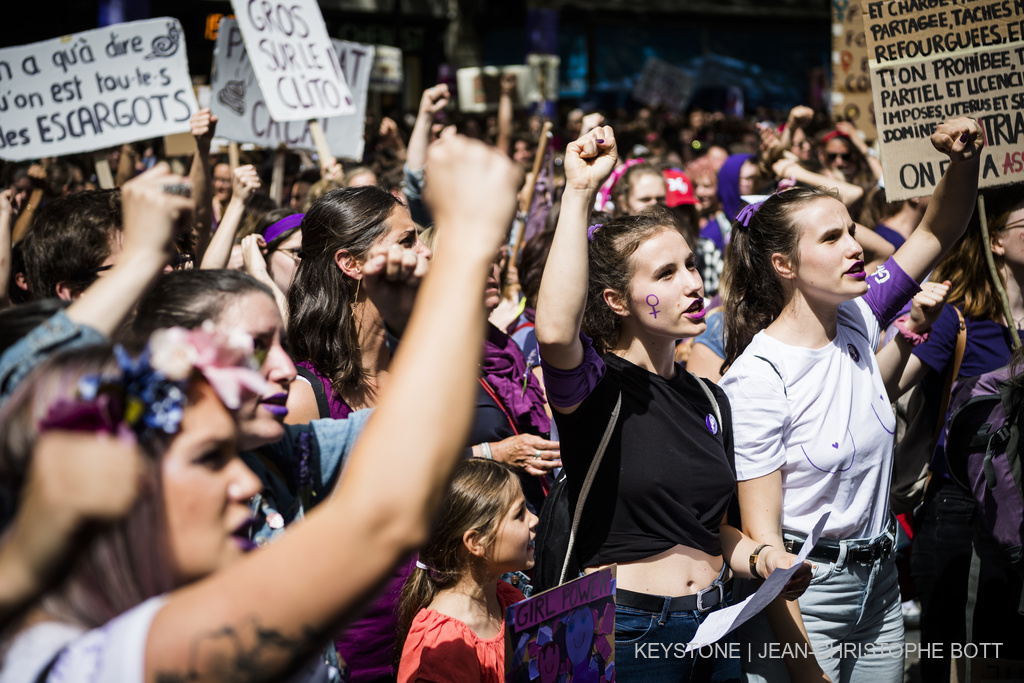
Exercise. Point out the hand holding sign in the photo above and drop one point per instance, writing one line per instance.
(960, 139)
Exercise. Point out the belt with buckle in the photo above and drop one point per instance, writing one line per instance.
(701, 601)
(828, 550)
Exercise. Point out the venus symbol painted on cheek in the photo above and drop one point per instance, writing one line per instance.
(654, 311)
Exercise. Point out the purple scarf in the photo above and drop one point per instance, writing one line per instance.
(729, 187)
(503, 368)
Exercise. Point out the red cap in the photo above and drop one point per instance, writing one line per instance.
(679, 188)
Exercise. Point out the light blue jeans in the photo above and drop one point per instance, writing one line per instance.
(854, 620)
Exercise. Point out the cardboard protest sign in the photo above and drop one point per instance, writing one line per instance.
(564, 634)
(293, 58)
(851, 79)
(243, 113)
(480, 87)
(661, 83)
(387, 75)
(932, 60)
(95, 89)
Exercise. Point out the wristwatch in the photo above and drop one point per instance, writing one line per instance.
(753, 560)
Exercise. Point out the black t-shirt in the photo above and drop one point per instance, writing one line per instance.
(668, 473)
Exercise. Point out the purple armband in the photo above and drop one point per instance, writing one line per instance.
(569, 387)
(889, 290)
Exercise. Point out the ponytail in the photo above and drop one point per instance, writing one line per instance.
(756, 295)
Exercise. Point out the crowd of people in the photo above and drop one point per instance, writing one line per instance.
(308, 438)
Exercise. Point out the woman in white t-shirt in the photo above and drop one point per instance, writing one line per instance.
(812, 419)
(168, 592)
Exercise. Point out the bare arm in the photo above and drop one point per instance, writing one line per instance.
(893, 357)
(150, 217)
(244, 183)
(394, 479)
(204, 125)
(255, 263)
(877, 249)
(789, 167)
(563, 289)
(851, 133)
(952, 202)
(6, 218)
(761, 510)
(508, 88)
(432, 101)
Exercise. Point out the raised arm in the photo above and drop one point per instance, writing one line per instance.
(204, 125)
(894, 356)
(433, 101)
(244, 183)
(6, 220)
(395, 478)
(505, 113)
(789, 167)
(952, 201)
(563, 289)
(150, 217)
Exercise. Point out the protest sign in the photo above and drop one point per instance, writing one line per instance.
(851, 79)
(661, 83)
(566, 633)
(293, 58)
(543, 77)
(480, 87)
(932, 60)
(243, 113)
(387, 75)
(95, 89)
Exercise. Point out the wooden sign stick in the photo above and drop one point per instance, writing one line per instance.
(233, 156)
(322, 149)
(277, 177)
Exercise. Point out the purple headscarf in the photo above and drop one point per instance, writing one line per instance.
(729, 184)
(504, 368)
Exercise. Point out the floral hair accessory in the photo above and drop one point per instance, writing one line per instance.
(746, 213)
(147, 395)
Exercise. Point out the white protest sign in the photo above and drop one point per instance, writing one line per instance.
(721, 622)
(293, 58)
(387, 76)
(243, 114)
(95, 89)
(936, 60)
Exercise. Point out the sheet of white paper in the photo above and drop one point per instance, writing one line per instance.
(720, 623)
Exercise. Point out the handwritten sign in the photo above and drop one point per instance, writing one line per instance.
(851, 78)
(566, 633)
(387, 75)
(243, 113)
(480, 87)
(932, 60)
(662, 83)
(95, 89)
(293, 58)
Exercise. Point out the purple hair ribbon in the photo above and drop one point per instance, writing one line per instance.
(591, 230)
(747, 212)
(286, 223)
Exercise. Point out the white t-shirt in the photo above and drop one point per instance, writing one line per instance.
(823, 417)
(114, 652)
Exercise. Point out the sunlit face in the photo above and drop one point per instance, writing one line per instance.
(362, 179)
(830, 266)
(705, 189)
(646, 190)
(748, 176)
(261, 418)
(299, 191)
(513, 546)
(403, 231)
(666, 292)
(206, 487)
(222, 183)
(492, 289)
(522, 153)
(838, 155)
(801, 145)
(284, 261)
(1009, 242)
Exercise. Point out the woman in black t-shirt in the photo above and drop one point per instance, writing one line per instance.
(658, 503)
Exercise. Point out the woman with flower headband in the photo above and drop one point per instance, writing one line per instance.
(813, 421)
(187, 530)
(658, 501)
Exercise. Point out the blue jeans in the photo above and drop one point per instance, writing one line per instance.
(650, 647)
(854, 620)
